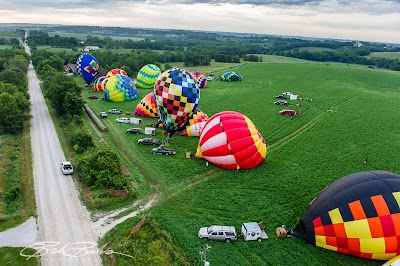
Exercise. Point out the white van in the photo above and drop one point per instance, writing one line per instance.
(136, 121)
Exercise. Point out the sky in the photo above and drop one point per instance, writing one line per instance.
(362, 20)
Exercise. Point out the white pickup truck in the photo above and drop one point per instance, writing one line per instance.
(115, 111)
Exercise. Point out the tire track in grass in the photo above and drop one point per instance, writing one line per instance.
(307, 126)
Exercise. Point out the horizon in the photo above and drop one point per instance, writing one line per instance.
(363, 20)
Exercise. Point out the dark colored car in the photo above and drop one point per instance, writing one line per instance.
(281, 96)
(134, 131)
(148, 141)
(163, 150)
(289, 113)
(281, 102)
(93, 97)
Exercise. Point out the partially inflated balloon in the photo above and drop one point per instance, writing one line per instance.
(230, 140)
(200, 79)
(196, 117)
(120, 88)
(87, 67)
(357, 215)
(231, 76)
(116, 71)
(193, 130)
(177, 95)
(147, 76)
(100, 83)
(147, 106)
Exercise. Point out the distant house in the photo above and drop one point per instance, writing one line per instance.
(90, 48)
(70, 68)
(358, 44)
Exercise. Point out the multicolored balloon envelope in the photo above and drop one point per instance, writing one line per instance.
(120, 88)
(147, 76)
(358, 214)
(231, 76)
(116, 71)
(193, 130)
(147, 106)
(87, 67)
(230, 140)
(196, 117)
(200, 79)
(177, 95)
(100, 83)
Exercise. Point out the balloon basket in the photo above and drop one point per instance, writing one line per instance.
(281, 232)
(188, 155)
(163, 133)
(166, 144)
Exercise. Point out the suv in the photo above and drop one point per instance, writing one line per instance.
(218, 232)
(122, 120)
(134, 131)
(162, 150)
(103, 115)
(148, 141)
(115, 111)
(66, 168)
(281, 102)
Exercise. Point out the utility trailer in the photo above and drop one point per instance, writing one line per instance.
(253, 231)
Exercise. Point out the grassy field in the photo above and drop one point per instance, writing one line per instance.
(280, 59)
(8, 35)
(11, 257)
(82, 36)
(17, 202)
(5, 46)
(350, 118)
(57, 49)
(314, 49)
(389, 55)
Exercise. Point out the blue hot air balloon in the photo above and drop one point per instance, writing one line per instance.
(87, 67)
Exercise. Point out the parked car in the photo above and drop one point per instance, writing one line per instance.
(281, 102)
(115, 111)
(281, 96)
(66, 168)
(103, 114)
(163, 150)
(122, 120)
(93, 97)
(219, 233)
(148, 141)
(134, 131)
(289, 113)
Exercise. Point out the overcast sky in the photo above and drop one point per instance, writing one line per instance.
(368, 20)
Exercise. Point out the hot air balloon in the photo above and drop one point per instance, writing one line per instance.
(147, 76)
(193, 130)
(231, 76)
(200, 79)
(120, 88)
(147, 106)
(177, 95)
(100, 83)
(116, 71)
(358, 214)
(196, 117)
(87, 67)
(230, 140)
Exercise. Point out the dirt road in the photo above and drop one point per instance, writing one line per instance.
(63, 222)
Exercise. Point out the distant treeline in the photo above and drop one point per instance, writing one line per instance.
(199, 48)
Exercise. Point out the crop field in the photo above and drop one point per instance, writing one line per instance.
(389, 55)
(314, 49)
(353, 115)
(57, 49)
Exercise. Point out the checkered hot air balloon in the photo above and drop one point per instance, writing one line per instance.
(177, 95)
(358, 215)
(231, 76)
(147, 106)
(200, 79)
(100, 83)
(147, 76)
(87, 67)
(230, 140)
(116, 71)
(120, 88)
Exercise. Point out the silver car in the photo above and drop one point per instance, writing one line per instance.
(218, 233)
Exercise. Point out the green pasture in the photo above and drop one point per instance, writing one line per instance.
(351, 114)
(6, 46)
(11, 257)
(280, 59)
(8, 35)
(388, 55)
(314, 49)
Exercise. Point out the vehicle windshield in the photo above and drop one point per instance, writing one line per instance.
(67, 167)
(209, 230)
